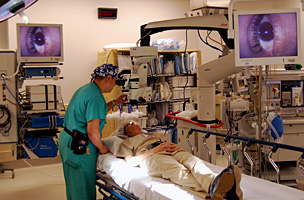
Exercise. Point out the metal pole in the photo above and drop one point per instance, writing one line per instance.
(260, 120)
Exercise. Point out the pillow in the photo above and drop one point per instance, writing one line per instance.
(113, 143)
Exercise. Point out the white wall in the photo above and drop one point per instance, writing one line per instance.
(84, 34)
(4, 35)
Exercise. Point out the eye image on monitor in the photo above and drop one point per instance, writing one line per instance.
(40, 41)
(268, 35)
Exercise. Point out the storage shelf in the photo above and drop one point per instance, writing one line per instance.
(41, 78)
(40, 111)
(39, 129)
(164, 75)
(175, 81)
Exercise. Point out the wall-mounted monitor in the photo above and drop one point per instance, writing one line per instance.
(267, 37)
(39, 43)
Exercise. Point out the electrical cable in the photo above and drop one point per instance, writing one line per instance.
(208, 35)
(12, 102)
(20, 129)
(3, 77)
(7, 128)
(150, 67)
(4, 110)
(32, 148)
(143, 37)
(41, 170)
(186, 85)
(14, 74)
(186, 40)
(208, 43)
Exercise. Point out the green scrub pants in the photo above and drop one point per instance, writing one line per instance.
(79, 170)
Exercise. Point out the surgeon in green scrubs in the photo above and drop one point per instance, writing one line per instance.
(86, 114)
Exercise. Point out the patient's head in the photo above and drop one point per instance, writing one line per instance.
(132, 129)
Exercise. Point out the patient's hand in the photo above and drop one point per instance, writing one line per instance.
(167, 146)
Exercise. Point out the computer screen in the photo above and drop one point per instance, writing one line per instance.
(267, 37)
(39, 43)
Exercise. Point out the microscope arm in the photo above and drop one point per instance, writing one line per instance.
(208, 75)
(208, 22)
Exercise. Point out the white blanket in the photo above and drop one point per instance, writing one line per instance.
(136, 181)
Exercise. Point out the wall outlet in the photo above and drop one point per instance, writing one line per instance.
(2, 72)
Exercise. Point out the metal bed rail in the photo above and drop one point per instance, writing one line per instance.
(249, 141)
(109, 189)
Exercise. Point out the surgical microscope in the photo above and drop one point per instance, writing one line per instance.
(134, 81)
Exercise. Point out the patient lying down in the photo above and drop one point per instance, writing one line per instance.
(167, 160)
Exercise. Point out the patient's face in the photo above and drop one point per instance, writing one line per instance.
(132, 129)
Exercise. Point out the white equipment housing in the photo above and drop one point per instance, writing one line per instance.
(8, 133)
(44, 97)
(208, 75)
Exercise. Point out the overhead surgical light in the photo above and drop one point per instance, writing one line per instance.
(9, 9)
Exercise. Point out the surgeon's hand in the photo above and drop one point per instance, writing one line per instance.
(166, 146)
(121, 99)
(103, 150)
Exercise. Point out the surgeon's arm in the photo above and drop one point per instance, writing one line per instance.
(165, 146)
(94, 136)
(118, 101)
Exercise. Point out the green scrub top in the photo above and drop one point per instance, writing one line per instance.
(87, 103)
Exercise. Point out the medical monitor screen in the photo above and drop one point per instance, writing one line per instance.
(39, 43)
(267, 37)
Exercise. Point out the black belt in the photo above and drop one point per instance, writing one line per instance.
(68, 131)
(79, 142)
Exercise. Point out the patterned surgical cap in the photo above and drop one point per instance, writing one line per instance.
(105, 70)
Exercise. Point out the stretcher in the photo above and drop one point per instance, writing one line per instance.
(126, 182)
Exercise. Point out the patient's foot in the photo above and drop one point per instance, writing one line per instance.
(236, 192)
(222, 184)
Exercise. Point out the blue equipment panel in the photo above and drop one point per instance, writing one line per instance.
(49, 121)
(40, 71)
(42, 147)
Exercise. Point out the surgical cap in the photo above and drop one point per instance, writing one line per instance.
(105, 70)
